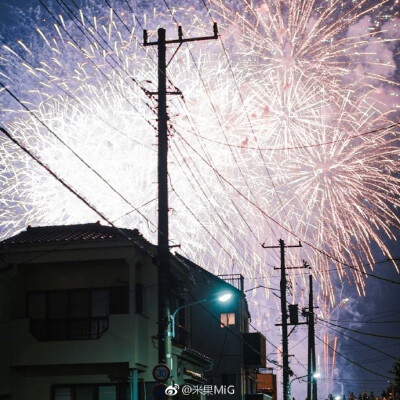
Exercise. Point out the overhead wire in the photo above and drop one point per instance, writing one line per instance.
(97, 67)
(359, 332)
(167, 77)
(69, 187)
(208, 157)
(300, 147)
(323, 252)
(53, 132)
(216, 115)
(247, 117)
(362, 343)
(223, 221)
(71, 150)
(54, 175)
(73, 97)
(215, 211)
(351, 361)
(201, 224)
(79, 24)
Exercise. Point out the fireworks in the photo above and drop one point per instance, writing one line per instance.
(321, 74)
(281, 121)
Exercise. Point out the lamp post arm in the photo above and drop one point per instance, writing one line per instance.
(172, 332)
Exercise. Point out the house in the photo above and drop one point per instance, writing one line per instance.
(78, 319)
(237, 354)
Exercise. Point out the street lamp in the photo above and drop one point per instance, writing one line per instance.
(222, 297)
(316, 375)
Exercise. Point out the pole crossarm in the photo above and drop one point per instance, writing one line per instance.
(181, 40)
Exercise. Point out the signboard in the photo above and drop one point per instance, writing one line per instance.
(161, 373)
(159, 391)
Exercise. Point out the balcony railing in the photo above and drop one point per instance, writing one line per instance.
(69, 329)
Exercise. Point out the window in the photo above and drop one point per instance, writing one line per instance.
(227, 319)
(99, 391)
(75, 314)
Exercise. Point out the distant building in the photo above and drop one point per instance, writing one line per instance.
(266, 383)
(237, 354)
(78, 319)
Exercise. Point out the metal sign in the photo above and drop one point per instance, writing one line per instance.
(159, 392)
(161, 373)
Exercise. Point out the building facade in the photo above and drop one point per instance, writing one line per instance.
(79, 319)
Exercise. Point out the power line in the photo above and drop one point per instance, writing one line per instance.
(97, 67)
(72, 151)
(68, 187)
(70, 95)
(207, 198)
(352, 362)
(74, 18)
(299, 147)
(280, 225)
(373, 322)
(201, 224)
(60, 180)
(359, 332)
(364, 344)
(216, 115)
(247, 115)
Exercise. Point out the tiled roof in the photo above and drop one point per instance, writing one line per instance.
(71, 233)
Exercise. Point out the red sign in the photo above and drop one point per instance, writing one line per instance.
(159, 392)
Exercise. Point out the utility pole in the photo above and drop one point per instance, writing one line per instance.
(309, 350)
(285, 341)
(312, 366)
(164, 280)
(311, 334)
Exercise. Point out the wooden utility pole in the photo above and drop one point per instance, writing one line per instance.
(164, 281)
(312, 366)
(285, 341)
(311, 336)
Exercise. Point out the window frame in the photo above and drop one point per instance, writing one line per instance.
(225, 323)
